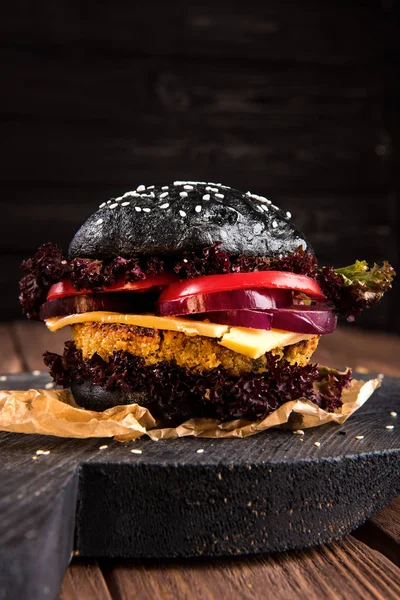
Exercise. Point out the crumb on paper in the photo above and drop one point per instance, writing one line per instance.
(299, 432)
(393, 414)
(317, 444)
(103, 447)
(3, 378)
(389, 427)
(361, 369)
(200, 450)
(36, 373)
(34, 457)
(49, 386)
(359, 437)
(136, 451)
(44, 452)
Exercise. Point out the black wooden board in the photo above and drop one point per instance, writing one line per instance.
(188, 497)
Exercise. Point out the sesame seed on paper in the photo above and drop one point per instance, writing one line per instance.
(44, 452)
(389, 427)
(99, 222)
(136, 451)
(274, 224)
(49, 386)
(102, 205)
(104, 447)
(183, 194)
(299, 432)
(3, 378)
(165, 187)
(141, 188)
(113, 205)
(200, 451)
(220, 196)
(359, 437)
(166, 205)
(36, 373)
(146, 210)
(289, 214)
(182, 213)
(317, 444)
(138, 209)
(125, 203)
(393, 414)
(206, 197)
(164, 195)
(150, 187)
(198, 208)
(188, 187)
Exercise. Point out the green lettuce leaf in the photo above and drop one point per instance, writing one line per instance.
(356, 287)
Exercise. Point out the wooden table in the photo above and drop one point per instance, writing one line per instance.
(364, 565)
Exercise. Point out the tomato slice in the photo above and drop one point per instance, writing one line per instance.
(66, 288)
(242, 281)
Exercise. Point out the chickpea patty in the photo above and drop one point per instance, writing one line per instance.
(191, 352)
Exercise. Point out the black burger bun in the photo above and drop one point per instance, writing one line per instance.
(171, 219)
(94, 397)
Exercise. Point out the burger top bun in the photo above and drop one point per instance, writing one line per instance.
(168, 220)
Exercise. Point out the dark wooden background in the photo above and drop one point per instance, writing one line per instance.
(295, 100)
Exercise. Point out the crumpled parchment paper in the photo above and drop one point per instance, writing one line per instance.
(54, 412)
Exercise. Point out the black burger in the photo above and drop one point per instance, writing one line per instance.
(194, 299)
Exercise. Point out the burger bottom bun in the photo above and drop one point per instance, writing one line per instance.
(94, 397)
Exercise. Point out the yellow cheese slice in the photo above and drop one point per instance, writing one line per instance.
(256, 342)
(243, 340)
(186, 326)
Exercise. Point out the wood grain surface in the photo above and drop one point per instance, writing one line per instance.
(347, 569)
(364, 564)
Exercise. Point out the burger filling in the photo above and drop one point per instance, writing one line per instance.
(227, 386)
(205, 334)
(195, 353)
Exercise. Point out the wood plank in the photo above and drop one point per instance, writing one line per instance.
(34, 339)
(10, 361)
(37, 504)
(365, 351)
(84, 580)
(389, 520)
(282, 93)
(275, 30)
(382, 532)
(347, 569)
(280, 120)
(293, 159)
